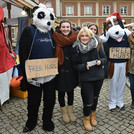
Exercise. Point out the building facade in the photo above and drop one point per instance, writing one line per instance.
(83, 12)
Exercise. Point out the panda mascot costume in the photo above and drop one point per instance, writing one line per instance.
(116, 37)
(36, 43)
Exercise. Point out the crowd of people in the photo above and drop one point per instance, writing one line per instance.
(82, 61)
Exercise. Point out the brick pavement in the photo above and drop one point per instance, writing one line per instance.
(14, 115)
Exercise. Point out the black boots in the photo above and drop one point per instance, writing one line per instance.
(29, 127)
(25, 130)
(48, 126)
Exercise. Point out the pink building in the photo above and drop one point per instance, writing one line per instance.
(83, 12)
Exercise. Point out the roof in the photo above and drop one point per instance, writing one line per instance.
(21, 3)
(16, 7)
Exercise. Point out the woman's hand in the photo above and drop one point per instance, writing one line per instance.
(88, 67)
(98, 62)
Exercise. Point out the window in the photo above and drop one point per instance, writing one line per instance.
(69, 10)
(105, 9)
(86, 24)
(88, 9)
(48, 4)
(124, 10)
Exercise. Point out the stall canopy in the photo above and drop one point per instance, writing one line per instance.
(13, 8)
(13, 16)
(20, 3)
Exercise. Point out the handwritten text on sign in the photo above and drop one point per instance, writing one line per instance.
(41, 67)
(119, 53)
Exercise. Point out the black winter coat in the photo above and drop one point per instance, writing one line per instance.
(80, 61)
(67, 79)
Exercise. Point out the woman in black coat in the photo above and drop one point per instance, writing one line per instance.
(89, 59)
(94, 28)
(67, 77)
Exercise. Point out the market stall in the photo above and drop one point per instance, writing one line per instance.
(8, 21)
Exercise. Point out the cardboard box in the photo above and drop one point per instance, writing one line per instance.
(19, 93)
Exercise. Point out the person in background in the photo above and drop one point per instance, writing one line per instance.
(94, 29)
(67, 78)
(89, 59)
(131, 65)
(78, 28)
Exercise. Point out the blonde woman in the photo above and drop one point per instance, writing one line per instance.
(89, 59)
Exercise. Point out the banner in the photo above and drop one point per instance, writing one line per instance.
(36, 68)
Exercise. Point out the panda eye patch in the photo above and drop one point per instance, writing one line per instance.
(41, 15)
(51, 17)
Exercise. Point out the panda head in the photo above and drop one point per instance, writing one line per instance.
(43, 18)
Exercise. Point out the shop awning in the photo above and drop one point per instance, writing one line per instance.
(22, 3)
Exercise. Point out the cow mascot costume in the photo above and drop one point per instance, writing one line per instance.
(116, 37)
(36, 43)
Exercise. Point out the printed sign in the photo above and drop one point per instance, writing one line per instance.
(119, 53)
(36, 68)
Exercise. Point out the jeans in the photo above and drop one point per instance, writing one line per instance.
(90, 91)
(131, 78)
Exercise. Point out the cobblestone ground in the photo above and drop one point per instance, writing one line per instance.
(14, 115)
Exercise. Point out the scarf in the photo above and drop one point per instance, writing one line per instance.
(62, 41)
(86, 48)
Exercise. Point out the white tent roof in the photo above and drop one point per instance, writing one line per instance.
(15, 11)
(17, 6)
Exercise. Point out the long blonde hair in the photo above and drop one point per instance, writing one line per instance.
(88, 31)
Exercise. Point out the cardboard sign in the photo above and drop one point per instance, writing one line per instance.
(119, 53)
(36, 68)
